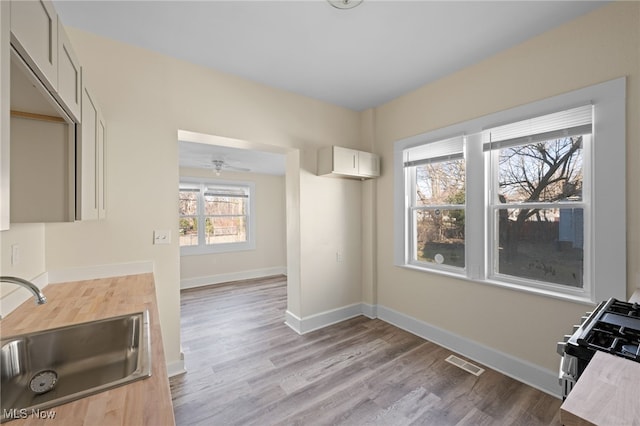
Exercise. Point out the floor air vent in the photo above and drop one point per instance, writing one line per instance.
(466, 366)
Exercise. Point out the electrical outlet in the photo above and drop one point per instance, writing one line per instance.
(162, 236)
(339, 256)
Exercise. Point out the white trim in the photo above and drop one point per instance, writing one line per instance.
(176, 368)
(521, 370)
(323, 319)
(292, 321)
(100, 271)
(231, 276)
(369, 311)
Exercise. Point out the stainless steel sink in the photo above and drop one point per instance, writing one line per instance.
(47, 368)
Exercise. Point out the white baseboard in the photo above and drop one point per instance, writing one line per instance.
(322, 319)
(100, 271)
(232, 276)
(369, 311)
(521, 370)
(177, 367)
(293, 321)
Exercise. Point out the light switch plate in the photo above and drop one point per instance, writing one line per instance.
(15, 254)
(162, 236)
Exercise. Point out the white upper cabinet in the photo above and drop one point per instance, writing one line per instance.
(368, 164)
(41, 76)
(90, 160)
(34, 34)
(86, 160)
(346, 162)
(101, 161)
(69, 91)
(5, 90)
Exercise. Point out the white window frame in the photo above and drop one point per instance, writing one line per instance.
(605, 255)
(202, 247)
(452, 153)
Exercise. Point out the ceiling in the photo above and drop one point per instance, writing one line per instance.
(204, 156)
(357, 58)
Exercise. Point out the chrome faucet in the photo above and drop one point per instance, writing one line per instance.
(40, 298)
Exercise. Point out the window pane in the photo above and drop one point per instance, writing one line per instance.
(226, 229)
(224, 205)
(188, 231)
(440, 236)
(440, 183)
(542, 244)
(544, 171)
(188, 203)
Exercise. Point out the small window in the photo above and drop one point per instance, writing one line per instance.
(437, 211)
(215, 217)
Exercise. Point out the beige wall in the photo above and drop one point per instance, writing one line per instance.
(597, 47)
(29, 237)
(146, 98)
(270, 252)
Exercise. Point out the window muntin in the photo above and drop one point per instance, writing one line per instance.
(216, 217)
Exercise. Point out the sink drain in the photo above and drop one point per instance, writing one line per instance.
(44, 381)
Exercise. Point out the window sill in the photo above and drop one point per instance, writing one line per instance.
(511, 286)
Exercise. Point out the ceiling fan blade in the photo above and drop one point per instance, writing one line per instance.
(238, 169)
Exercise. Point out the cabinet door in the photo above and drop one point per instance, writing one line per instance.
(101, 159)
(69, 83)
(5, 88)
(86, 150)
(345, 160)
(368, 164)
(34, 34)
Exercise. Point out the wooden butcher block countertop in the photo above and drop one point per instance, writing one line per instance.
(607, 394)
(144, 402)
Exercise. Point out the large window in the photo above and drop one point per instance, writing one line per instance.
(534, 204)
(537, 198)
(215, 216)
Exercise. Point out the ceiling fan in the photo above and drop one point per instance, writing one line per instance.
(219, 165)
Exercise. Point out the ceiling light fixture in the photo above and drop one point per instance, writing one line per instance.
(217, 167)
(344, 4)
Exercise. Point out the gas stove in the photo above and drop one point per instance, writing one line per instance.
(613, 327)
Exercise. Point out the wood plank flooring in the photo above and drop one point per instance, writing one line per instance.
(246, 367)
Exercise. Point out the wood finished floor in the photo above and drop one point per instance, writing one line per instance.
(246, 367)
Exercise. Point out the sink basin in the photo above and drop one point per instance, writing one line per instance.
(47, 368)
